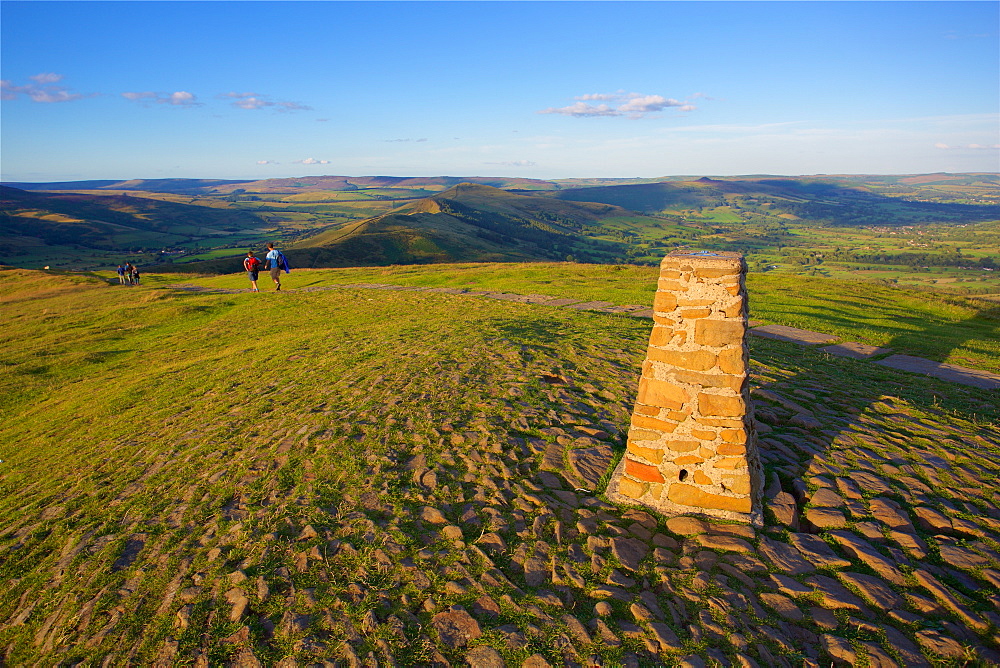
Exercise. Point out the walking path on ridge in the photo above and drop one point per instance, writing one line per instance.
(833, 345)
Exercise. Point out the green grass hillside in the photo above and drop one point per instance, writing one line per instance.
(945, 328)
(364, 476)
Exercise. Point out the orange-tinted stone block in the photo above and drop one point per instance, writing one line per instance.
(732, 361)
(653, 392)
(682, 445)
(664, 302)
(661, 336)
(721, 405)
(722, 380)
(697, 360)
(715, 333)
(646, 422)
(730, 463)
(631, 488)
(654, 455)
(643, 435)
(738, 436)
(689, 495)
(701, 479)
(720, 422)
(734, 310)
(643, 472)
(737, 484)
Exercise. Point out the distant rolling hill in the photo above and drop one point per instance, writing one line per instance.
(181, 186)
(65, 223)
(350, 220)
(467, 223)
(831, 201)
(287, 185)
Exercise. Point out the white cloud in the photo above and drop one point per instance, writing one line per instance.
(41, 91)
(599, 96)
(582, 110)
(47, 78)
(312, 161)
(267, 162)
(514, 163)
(253, 101)
(180, 98)
(631, 105)
(647, 104)
(421, 140)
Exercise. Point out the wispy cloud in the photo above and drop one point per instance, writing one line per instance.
(253, 101)
(967, 147)
(268, 162)
(514, 163)
(47, 78)
(422, 139)
(43, 90)
(312, 161)
(629, 105)
(180, 98)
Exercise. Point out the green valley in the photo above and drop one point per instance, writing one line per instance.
(936, 232)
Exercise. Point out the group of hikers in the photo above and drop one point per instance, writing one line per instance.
(275, 261)
(128, 274)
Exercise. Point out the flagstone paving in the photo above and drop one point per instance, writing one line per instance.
(481, 541)
(950, 372)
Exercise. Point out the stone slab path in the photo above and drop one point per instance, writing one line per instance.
(470, 530)
(858, 351)
(956, 374)
(793, 335)
(950, 372)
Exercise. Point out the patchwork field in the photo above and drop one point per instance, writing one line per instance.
(367, 477)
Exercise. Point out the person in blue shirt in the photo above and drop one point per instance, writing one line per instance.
(274, 261)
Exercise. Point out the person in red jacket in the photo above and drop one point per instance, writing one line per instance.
(252, 265)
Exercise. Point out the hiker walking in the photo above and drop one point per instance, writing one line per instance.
(252, 266)
(276, 261)
(135, 275)
(121, 274)
(128, 273)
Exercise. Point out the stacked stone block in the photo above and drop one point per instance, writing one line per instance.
(691, 446)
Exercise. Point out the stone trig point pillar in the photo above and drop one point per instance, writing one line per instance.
(691, 446)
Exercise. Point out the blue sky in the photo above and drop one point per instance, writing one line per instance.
(116, 90)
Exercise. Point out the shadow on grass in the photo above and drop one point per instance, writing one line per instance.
(873, 416)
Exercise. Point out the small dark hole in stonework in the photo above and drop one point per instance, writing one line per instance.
(683, 475)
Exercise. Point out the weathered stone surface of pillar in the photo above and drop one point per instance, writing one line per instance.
(691, 445)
